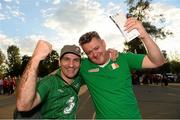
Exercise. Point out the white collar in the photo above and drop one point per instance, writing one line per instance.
(105, 63)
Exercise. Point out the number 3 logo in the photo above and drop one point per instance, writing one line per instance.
(70, 106)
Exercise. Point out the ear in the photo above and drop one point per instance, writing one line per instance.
(59, 62)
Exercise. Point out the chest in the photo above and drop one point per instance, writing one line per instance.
(114, 74)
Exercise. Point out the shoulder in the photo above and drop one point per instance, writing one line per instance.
(125, 53)
(46, 79)
(78, 78)
(122, 55)
(84, 61)
(129, 54)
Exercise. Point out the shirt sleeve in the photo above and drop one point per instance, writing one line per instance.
(43, 87)
(135, 60)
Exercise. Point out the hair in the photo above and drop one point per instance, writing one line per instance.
(87, 37)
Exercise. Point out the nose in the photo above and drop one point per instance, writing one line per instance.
(94, 54)
(71, 63)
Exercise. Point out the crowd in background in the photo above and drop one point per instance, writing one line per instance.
(153, 79)
(7, 85)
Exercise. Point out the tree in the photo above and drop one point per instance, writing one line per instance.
(3, 70)
(140, 10)
(49, 64)
(25, 59)
(52, 60)
(2, 57)
(175, 66)
(14, 60)
(2, 65)
(46, 66)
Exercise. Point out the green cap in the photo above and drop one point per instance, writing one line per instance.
(70, 49)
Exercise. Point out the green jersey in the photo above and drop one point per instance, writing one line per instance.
(111, 86)
(58, 99)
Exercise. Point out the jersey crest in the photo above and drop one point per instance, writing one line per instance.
(70, 106)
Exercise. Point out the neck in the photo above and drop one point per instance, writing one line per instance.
(104, 64)
(107, 59)
(68, 80)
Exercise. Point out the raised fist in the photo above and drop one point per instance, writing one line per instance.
(43, 48)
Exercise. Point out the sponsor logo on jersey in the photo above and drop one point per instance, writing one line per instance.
(114, 66)
(70, 105)
(94, 70)
(76, 85)
(60, 90)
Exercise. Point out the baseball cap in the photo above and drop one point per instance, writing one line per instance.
(70, 49)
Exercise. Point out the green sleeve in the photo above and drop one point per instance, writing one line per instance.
(43, 87)
(135, 60)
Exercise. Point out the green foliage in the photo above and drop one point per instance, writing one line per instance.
(25, 59)
(140, 10)
(135, 46)
(14, 60)
(49, 64)
(2, 57)
(46, 66)
(3, 68)
(175, 66)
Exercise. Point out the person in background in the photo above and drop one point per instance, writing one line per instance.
(57, 93)
(1, 86)
(5, 85)
(109, 82)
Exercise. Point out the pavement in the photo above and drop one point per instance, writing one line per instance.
(155, 102)
(159, 102)
(7, 106)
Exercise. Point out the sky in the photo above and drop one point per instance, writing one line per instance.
(60, 22)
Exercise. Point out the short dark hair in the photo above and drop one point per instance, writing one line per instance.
(87, 37)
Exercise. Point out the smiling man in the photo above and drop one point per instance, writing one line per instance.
(57, 93)
(109, 82)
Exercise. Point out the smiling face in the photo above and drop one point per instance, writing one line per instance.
(70, 64)
(96, 51)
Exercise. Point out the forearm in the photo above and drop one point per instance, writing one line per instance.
(154, 57)
(153, 52)
(27, 87)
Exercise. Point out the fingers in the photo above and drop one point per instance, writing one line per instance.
(131, 24)
(113, 53)
(129, 15)
(43, 48)
(45, 44)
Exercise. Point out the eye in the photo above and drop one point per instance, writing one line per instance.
(65, 58)
(77, 60)
(89, 52)
(96, 48)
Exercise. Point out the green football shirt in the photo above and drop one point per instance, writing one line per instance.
(111, 86)
(59, 100)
